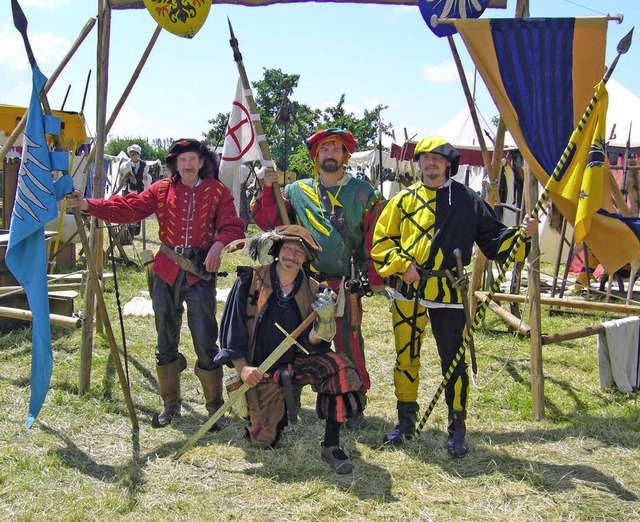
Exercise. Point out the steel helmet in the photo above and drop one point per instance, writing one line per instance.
(438, 145)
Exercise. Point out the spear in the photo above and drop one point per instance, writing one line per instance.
(64, 102)
(20, 22)
(267, 161)
(625, 164)
(622, 48)
(52, 79)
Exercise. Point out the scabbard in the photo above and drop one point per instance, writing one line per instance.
(462, 284)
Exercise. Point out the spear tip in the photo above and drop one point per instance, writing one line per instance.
(230, 28)
(625, 43)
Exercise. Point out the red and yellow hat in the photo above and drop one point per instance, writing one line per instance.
(335, 133)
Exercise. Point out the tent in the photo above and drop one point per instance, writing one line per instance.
(623, 114)
(459, 131)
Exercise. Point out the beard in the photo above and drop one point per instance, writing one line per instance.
(330, 165)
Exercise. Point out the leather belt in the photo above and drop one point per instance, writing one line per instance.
(176, 254)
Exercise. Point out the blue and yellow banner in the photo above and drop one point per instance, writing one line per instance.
(580, 180)
(541, 73)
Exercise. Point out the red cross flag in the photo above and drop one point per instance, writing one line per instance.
(240, 142)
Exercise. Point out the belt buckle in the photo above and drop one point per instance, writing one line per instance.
(179, 250)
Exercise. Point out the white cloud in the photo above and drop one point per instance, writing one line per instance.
(12, 53)
(48, 49)
(444, 72)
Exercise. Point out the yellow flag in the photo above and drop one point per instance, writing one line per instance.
(180, 17)
(582, 179)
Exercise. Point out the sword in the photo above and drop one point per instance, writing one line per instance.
(237, 394)
(462, 282)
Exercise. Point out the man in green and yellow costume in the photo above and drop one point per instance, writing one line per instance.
(414, 242)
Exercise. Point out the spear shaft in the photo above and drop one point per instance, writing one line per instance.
(262, 142)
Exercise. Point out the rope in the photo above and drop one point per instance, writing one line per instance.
(120, 316)
(513, 344)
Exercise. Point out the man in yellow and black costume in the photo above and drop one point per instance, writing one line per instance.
(414, 242)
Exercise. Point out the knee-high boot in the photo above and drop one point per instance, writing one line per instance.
(457, 430)
(212, 386)
(169, 381)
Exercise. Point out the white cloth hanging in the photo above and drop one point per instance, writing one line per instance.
(618, 354)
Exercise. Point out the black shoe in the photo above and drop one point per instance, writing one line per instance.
(403, 431)
(457, 431)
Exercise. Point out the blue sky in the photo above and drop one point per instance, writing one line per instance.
(371, 53)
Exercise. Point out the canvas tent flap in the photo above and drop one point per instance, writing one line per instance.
(623, 113)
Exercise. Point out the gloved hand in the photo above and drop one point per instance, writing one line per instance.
(324, 326)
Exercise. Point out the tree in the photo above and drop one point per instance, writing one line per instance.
(365, 130)
(287, 123)
(215, 135)
(149, 152)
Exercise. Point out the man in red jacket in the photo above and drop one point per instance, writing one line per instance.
(196, 220)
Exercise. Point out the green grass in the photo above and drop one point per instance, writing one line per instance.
(82, 461)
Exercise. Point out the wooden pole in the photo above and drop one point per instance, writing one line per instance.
(6, 291)
(139, 4)
(571, 303)
(26, 315)
(267, 161)
(573, 334)
(54, 76)
(535, 320)
(515, 322)
(94, 249)
(470, 102)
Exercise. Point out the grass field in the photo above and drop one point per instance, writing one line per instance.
(82, 461)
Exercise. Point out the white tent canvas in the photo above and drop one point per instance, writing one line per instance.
(623, 113)
(461, 132)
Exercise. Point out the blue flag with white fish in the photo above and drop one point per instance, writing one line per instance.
(35, 205)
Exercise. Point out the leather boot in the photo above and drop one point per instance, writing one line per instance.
(212, 386)
(406, 426)
(169, 381)
(457, 430)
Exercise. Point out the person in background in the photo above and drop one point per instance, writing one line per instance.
(340, 211)
(414, 243)
(134, 171)
(134, 176)
(196, 220)
(278, 292)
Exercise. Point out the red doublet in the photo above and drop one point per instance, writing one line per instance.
(191, 217)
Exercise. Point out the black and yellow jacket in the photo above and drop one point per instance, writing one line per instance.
(426, 225)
